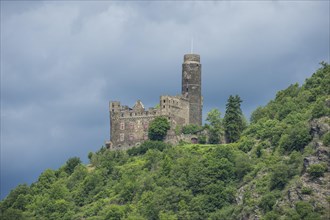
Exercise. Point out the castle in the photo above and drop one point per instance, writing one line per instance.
(129, 126)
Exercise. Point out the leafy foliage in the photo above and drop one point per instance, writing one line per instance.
(326, 139)
(158, 129)
(191, 129)
(147, 145)
(316, 170)
(71, 163)
(215, 126)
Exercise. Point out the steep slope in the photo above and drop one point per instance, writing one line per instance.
(279, 169)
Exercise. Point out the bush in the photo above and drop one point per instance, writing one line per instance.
(295, 138)
(320, 109)
(268, 201)
(316, 170)
(202, 139)
(272, 216)
(306, 191)
(280, 177)
(145, 146)
(326, 139)
(303, 208)
(191, 129)
(246, 144)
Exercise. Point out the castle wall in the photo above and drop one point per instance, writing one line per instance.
(176, 108)
(129, 126)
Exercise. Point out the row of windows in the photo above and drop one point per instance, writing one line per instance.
(131, 137)
(136, 114)
(131, 125)
(171, 101)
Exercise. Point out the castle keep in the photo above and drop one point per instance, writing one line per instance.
(129, 126)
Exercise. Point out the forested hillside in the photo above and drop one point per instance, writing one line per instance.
(276, 168)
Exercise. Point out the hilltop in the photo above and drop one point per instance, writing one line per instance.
(278, 169)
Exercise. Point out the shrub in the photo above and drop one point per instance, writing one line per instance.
(246, 144)
(280, 177)
(326, 139)
(320, 109)
(303, 208)
(202, 139)
(268, 201)
(191, 129)
(316, 170)
(272, 216)
(145, 146)
(306, 191)
(295, 138)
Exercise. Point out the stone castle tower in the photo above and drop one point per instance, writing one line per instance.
(191, 87)
(129, 126)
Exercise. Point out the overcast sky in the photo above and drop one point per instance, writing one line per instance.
(61, 62)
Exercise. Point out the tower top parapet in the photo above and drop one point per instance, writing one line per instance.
(191, 58)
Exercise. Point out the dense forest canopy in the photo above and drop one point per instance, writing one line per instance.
(277, 167)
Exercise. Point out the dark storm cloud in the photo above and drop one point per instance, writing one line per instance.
(61, 62)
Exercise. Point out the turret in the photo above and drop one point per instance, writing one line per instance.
(191, 86)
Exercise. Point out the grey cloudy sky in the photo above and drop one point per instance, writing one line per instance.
(61, 62)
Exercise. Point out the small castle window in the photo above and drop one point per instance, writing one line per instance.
(131, 125)
(122, 126)
(130, 114)
(187, 89)
(122, 114)
(122, 137)
(164, 100)
(163, 106)
(131, 137)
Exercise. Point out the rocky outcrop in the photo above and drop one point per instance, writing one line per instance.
(308, 188)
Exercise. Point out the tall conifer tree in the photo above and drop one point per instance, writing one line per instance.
(233, 121)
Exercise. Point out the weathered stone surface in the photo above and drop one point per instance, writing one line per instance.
(320, 126)
(191, 87)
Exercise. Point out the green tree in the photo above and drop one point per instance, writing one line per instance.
(257, 114)
(158, 128)
(71, 163)
(234, 122)
(296, 137)
(279, 176)
(215, 126)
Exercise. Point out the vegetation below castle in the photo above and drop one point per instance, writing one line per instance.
(276, 168)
